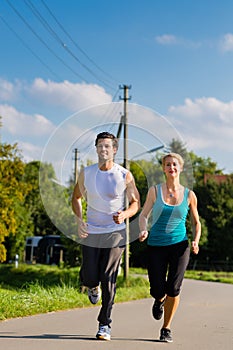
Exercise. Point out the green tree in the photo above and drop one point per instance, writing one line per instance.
(41, 222)
(216, 206)
(14, 220)
(202, 166)
(146, 174)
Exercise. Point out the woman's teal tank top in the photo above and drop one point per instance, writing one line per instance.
(168, 221)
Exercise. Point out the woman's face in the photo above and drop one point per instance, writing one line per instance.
(172, 167)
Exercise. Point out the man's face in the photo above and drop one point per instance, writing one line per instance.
(105, 149)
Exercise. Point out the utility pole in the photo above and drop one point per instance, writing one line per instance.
(126, 165)
(75, 165)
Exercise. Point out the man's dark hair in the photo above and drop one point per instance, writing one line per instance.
(107, 135)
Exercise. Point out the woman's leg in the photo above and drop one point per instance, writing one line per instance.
(157, 270)
(178, 262)
(170, 307)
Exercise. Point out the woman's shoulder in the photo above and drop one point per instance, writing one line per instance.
(154, 188)
(153, 191)
(191, 196)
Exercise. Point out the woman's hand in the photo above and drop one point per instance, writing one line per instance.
(143, 235)
(195, 247)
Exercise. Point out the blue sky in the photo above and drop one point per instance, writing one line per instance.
(176, 55)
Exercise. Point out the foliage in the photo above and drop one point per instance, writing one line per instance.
(45, 275)
(216, 206)
(35, 299)
(13, 215)
(210, 276)
(38, 289)
(33, 202)
(202, 166)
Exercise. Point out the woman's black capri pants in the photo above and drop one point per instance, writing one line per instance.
(166, 268)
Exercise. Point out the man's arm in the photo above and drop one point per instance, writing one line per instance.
(77, 205)
(133, 198)
(77, 196)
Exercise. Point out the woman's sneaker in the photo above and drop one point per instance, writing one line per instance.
(94, 294)
(157, 309)
(166, 335)
(104, 332)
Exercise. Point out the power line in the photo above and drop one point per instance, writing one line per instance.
(74, 42)
(28, 47)
(52, 32)
(43, 42)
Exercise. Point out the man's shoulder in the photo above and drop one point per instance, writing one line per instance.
(119, 167)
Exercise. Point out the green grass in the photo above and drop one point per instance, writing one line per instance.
(211, 276)
(33, 289)
(30, 290)
(36, 299)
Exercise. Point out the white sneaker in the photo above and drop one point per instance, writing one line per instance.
(94, 294)
(104, 332)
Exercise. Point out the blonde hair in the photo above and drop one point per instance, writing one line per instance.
(174, 155)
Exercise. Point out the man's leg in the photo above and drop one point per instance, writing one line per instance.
(109, 264)
(89, 274)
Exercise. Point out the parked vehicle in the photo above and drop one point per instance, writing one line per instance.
(31, 249)
(50, 250)
(44, 250)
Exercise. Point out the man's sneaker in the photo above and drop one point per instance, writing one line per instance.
(104, 332)
(94, 294)
(157, 309)
(166, 335)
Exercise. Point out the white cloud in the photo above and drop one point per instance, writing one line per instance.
(30, 151)
(170, 39)
(8, 90)
(24, 127)
(166, 39)
(20, 124)
(226, 43)
(71, 96)
(206, 124)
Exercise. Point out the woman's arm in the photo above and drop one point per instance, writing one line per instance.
(196, 225)
(146, 210)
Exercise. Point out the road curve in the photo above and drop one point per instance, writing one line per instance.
(203, 322)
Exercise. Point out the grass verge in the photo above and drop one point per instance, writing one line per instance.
(30, 290)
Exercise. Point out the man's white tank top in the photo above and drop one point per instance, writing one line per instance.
(105, 192)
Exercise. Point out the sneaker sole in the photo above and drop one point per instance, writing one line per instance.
(165, 341)
(102, 337)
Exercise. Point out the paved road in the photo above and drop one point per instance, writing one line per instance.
(203, 322)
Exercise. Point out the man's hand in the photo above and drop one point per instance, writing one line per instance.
(82, 229)
(119, 217)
